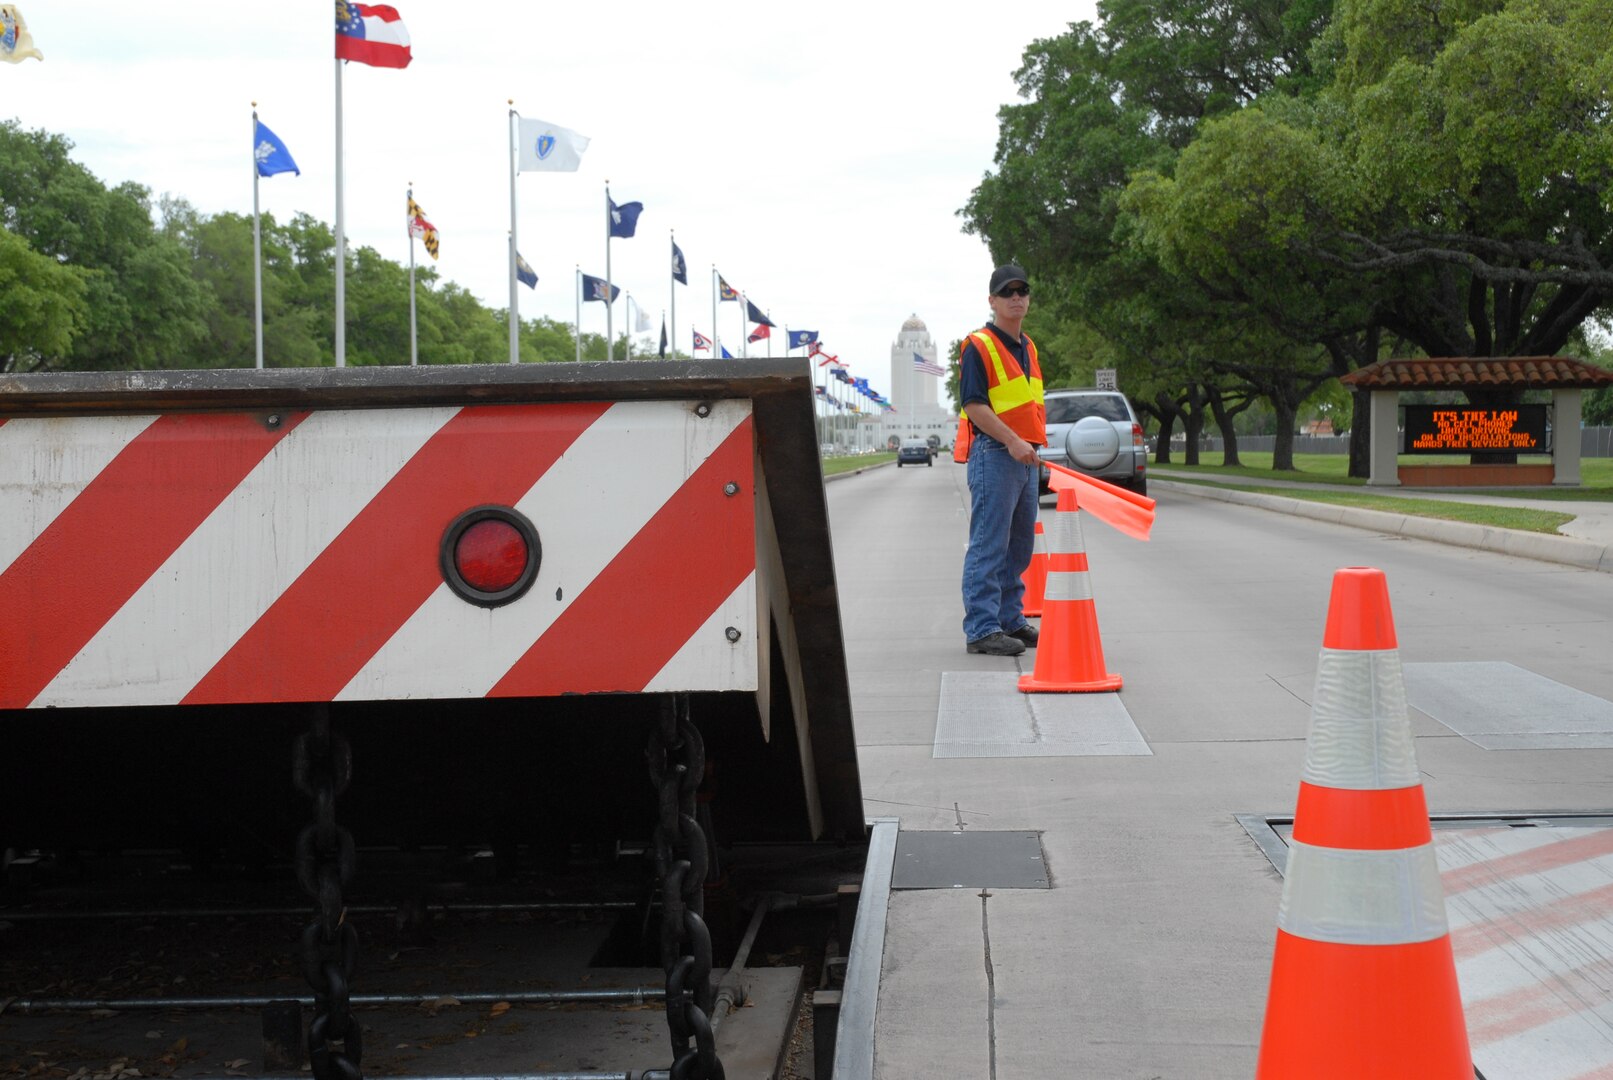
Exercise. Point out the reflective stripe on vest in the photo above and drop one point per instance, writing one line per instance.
(1362, 897)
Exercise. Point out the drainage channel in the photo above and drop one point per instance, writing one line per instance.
(1529, 897)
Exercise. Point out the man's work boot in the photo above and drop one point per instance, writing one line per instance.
(997, 644)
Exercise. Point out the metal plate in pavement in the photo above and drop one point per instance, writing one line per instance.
(1500, 706)
(970, 860)
(982, 714)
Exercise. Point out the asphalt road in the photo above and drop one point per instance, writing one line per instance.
(1149, 956)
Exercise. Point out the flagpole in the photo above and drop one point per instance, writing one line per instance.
(578, 280)
(630, 323)
(341, 236)
(515, 297)
(744, 321)
(414, 347)
(610, 328)
(257, 245)
(716, 338)
(672, 287)
(769, 314)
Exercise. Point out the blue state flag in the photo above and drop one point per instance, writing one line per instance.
(623, 218)
(756, 316)
(726, 355)
(799, 338)
(597, 288)
(270, 153)
(680, 272)
(524, 272)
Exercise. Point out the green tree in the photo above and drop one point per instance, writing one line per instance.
(143, 307)
(43, 302)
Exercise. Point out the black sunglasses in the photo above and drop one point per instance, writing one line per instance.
(1014, 290)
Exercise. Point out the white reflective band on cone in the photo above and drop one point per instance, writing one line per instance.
(1068, 585)
(1360, 737)
(1065, 535)
(1040, 546)
(1350, 897)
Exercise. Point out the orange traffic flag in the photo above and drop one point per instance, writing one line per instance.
(1116, 507)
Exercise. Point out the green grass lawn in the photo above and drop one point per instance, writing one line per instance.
(1596, 474)
(853, 462)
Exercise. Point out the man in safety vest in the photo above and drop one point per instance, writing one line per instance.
(1000, 385)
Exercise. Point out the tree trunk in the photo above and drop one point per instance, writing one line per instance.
(1193, 422)
(1282, 451)
(1223, 422)
(1361, 433)
(1162, 443)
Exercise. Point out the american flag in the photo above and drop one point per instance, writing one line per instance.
(921, 364)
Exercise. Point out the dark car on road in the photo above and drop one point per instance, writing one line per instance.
(914, 452)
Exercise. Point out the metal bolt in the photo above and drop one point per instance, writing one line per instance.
(702, 410)
(733, 634)
(730, 488)
(274, 420)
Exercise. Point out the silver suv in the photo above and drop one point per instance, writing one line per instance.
(1095, 432)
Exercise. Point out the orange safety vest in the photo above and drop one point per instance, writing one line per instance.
(1014, 395)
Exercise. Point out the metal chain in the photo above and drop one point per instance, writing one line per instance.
(677, 759)
(321, 769)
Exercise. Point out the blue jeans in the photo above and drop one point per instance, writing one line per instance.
(1002, 535)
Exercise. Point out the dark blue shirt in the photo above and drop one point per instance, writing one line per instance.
(972, 385)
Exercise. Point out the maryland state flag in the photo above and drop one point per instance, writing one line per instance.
(421, 228)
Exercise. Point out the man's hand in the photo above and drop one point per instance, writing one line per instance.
(1022, 451)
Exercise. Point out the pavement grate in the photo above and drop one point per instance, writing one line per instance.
(1499, 706)
(969, 860)
(982, 714)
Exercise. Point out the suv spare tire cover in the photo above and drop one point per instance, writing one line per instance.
(1092, 442)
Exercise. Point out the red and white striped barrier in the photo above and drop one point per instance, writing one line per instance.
(243, 557)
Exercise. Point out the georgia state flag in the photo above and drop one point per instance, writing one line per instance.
(371, 34)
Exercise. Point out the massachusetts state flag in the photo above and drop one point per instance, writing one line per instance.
(760, 333)
(597, 288)
(701, 341)
(420, 227)
(371, 34)
(724, 291)
(799, 338)
(524, 272)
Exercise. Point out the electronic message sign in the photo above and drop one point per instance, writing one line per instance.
(1447, 429)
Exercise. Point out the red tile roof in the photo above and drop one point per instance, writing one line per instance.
(1527, 372)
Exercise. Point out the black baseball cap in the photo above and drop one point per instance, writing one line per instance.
(1006, 274)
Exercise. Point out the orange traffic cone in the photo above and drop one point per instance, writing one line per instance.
(1035, 575)
(1363, 982)
(1069, 656)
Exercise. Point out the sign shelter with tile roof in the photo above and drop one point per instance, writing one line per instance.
(1567, 379)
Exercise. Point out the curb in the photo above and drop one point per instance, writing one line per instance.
(1567, 550)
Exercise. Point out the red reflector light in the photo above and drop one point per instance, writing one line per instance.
(491, 555)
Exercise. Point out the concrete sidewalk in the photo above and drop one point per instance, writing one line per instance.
(1586, 542)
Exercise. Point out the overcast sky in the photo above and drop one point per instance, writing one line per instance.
(815, 153)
